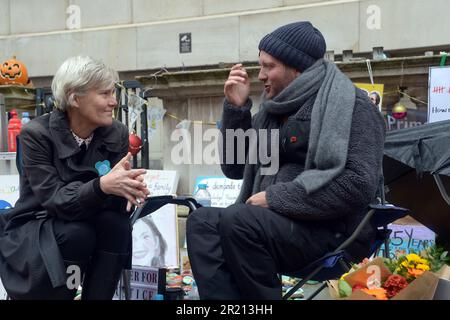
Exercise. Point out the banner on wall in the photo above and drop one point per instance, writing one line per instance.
(374, 91)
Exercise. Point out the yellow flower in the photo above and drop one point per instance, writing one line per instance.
(423, 267)
(413, 257)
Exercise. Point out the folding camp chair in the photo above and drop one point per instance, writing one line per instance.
(333, 264)
(151, 205)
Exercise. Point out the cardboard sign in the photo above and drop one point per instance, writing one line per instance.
(405, 239)
(439, 94)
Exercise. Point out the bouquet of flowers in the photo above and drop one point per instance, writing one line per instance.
(412, 276)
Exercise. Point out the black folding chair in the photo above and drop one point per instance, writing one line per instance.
(151, 205)
(333, 264)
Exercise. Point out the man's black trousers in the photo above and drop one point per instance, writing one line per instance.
(238, 252)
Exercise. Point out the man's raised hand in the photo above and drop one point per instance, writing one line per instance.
(237, 86)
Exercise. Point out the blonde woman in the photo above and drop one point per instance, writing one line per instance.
(71, 219)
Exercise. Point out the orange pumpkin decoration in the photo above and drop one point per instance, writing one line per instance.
(13, 71)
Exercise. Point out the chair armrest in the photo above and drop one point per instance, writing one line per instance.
(155, 202)
(386, 213)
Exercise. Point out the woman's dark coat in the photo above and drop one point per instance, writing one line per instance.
(54, 184)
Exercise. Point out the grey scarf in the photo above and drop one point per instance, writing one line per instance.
(331, 119)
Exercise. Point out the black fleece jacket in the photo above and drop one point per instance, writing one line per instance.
(346, 195)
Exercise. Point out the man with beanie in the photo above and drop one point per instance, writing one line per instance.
(330, 153)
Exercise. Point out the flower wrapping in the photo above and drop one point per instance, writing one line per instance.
(374, 281)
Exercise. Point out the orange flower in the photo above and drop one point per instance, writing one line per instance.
(415, 272)
(378, 293)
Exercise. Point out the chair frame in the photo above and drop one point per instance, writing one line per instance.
(380, 215)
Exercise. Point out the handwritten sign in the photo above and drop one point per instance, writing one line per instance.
(9, 194)
(406, 239)
(439, 94)
(223, 191)
(162, 182)
(9, 190)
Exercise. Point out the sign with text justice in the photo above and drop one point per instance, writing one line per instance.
(439, 94)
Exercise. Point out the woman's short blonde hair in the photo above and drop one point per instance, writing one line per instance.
(77, 75)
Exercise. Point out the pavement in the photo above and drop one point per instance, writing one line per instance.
(308, 289)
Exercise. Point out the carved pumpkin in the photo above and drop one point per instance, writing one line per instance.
(13, 71)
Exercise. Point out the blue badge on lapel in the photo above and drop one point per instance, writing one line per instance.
(103, 167)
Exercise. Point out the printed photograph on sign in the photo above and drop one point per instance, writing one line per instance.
(155, 239)
(374, 91)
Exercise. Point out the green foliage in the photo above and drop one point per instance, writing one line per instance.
(437, 256)
(391, 264)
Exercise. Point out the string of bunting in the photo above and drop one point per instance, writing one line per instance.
(405, 94)
(22, 106)
(369, 69)
(183, 122)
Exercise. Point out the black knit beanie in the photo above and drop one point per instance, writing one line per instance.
(298, 45)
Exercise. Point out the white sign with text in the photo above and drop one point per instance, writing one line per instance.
(9, 190)
(162, 182)
(439, 94)
(223, 191)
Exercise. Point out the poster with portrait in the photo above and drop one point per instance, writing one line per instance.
(374, 91)
(155, 237)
